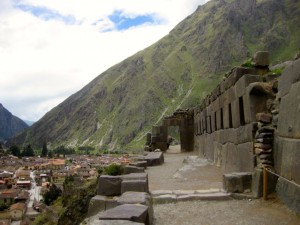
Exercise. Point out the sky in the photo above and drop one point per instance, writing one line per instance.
(50, 49)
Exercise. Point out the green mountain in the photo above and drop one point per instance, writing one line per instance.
(118, 107)
(10, 125)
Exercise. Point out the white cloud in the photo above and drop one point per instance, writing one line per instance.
(45, 61)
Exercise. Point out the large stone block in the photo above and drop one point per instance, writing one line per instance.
(261, 58)
(288, 120)
(154, 158)
(290, 75)
(237, 182)
(217, 154)
(245, 133)
(229, 158)
(132, 212)
(289, 193)
(290, 155)
(245, 157)
(133, 169)
(242, 84)
(142, 198)
(134, 185)
(235, 113)
(100, 203)
(109, 185)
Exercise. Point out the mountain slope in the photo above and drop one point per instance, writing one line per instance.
(118, 107)
(10, 125)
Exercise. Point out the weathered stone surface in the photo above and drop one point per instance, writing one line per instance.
(264, 135)
(289, 158)
(245, 157)
(290, 75)
(132, 212)
(100, 203)
(264, 117)
(154, 158)
(237, 182)
(229, 156)
(288, 112)
(109, 185)
(139, 164)
(262, 146)
(268, 141)
(289, 194)
(259, 151)
(261, 58)
(142, 198)
(95, 221)
(257, 183)
(245, 133)
(133, 169)
(266, 129)
(163, 199)
(244, 81)
(134, 185)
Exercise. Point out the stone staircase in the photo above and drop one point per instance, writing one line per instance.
(173, 196)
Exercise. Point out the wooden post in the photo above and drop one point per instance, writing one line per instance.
(265, 184)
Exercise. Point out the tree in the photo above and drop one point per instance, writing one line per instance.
(52, 194)
(44, 150)
(15, 150)
(50, 154)
(28, 151)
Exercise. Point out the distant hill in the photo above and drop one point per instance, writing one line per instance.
(10, 125)
(29, 123)
(118, 107)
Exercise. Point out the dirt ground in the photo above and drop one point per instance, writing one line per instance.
(183, 171)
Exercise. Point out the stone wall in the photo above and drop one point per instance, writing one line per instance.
(226, 121)
(287, 136)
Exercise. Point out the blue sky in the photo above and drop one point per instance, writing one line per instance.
(50, 49)
(123, 22)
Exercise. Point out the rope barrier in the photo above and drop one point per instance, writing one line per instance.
(282, 177)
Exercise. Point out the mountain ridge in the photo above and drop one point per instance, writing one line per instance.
(10, 125)
(118, 107)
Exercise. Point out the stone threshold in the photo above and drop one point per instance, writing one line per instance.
(173, 196)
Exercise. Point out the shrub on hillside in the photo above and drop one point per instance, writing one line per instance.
(114, 169)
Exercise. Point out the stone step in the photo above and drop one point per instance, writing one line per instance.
(172, 196)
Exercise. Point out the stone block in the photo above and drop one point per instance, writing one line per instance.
(229, 158)
(133, 169)
(257, 183)
(264, 117)
(134, 185)
(154, 158)
(245, 157)
(95, 221)
(142, 198)
(131, 212)
(290, 155)
(288, 122)
(100, 203)
(245, 133)
(109, 185)
(289, 193)
(239, 72)
(290, 75)
(142, 164)
(244, 81)
(261, 58)
(235, 113)
(217, 153)
(237, 182)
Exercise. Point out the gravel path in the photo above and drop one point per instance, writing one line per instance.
(232, 212)
(184, 171)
